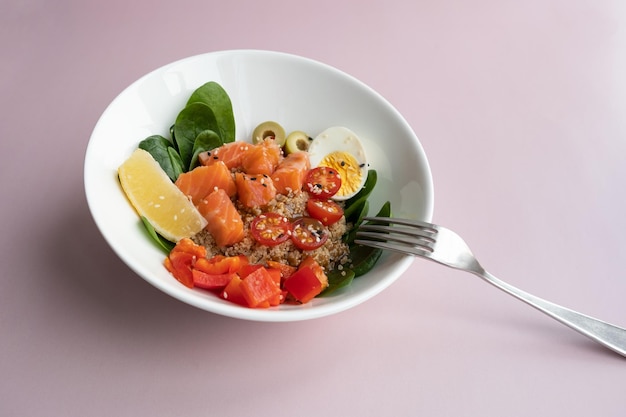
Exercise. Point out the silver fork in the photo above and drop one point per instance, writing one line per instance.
(444, 246)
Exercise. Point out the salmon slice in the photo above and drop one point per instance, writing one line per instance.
(262, 158)
(224, 222)
(203, 180)
(229, 153)
(254, 190)
(290, 173)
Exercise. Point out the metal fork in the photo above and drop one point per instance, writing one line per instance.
(444, 246)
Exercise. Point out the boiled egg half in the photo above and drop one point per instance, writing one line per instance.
(340, 148)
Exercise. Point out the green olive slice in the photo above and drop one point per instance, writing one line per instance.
(270, 130)
(297, 141)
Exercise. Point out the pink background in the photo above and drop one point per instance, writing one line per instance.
(521, 107)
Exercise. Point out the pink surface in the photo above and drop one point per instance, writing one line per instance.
(521, 107)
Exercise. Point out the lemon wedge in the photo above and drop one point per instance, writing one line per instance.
(155, 197)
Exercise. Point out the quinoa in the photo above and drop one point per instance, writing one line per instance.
(329, 256)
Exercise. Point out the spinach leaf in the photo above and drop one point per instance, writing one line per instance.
(165, 244)
(205, 141)
(190, 122)
(363, 258)
(354, 205)
(213, 95)
(336, 280)
(356, 220)
(160, 148)
(177, 163)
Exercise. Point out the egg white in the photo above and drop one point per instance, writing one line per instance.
(340, 139)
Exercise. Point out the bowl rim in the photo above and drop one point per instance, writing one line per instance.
(221, 307)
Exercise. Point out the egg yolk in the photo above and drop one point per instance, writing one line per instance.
(348, 168)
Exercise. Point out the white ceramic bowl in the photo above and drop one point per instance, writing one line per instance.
(301, 94)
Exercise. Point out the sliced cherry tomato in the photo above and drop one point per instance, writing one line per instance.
(322, 182)
(270, 229)
(308, 233)
(326, 211)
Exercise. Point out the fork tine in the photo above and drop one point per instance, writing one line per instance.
(408, 236)
(394, 247)
(425, 234)
(408, 242)
(404, 222)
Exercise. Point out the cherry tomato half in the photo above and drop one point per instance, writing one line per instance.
(270, 229)
(322, 182)
(308, 233)
(326, 211)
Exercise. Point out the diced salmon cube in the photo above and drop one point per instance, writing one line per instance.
(262, 158)
(203, 180)
(290, 173)
(224, 221)
(254, 190)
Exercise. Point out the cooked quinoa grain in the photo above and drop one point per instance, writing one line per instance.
(330, 255)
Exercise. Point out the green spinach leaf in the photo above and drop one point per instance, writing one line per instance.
(205, 141)
(163, 243)
(213, 95)
(176, 162)
(363, 258)
(354, 205)
(337, 280)
(356, 218)
(190, 122)
(160, 148)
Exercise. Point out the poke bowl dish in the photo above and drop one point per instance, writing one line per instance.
(235, 181)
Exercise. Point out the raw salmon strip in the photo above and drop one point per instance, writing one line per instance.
(229, 153)
(290, 173)
(224, 222)
(262, 158)
(254, 190)
(203, 180)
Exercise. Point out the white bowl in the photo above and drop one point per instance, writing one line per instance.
(301, 94)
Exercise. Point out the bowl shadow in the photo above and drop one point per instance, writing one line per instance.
(100, 287)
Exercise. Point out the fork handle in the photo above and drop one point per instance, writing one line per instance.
(607, 334)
